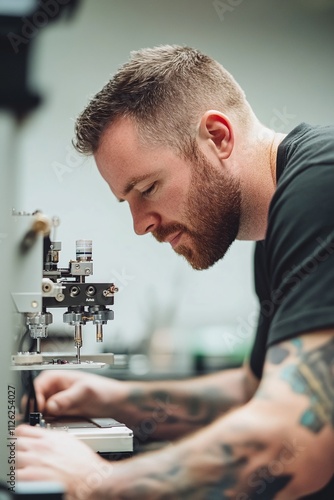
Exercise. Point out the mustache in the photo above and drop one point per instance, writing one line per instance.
(162, 233)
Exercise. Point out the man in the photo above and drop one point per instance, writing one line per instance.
(173, 135)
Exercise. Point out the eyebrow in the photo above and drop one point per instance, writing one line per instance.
(130, 185)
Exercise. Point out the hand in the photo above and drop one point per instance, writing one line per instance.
(48, 455)
(76, 393)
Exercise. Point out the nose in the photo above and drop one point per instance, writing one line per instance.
(144, 223)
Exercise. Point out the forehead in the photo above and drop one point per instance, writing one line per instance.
(122, 156)
(121, 152)
(119, 145)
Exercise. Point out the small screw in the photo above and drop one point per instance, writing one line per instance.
(34, 304)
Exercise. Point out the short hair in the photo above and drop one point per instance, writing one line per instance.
(166, 90)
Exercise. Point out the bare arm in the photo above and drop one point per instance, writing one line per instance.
(159, 410)
(280, 444)
(169, 409)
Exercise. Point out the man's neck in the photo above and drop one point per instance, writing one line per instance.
(258, 181)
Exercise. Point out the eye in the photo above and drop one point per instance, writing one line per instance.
(150, 190)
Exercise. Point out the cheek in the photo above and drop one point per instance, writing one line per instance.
(175, 201)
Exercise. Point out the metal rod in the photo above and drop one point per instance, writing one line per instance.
(78, 339)
(99, 332)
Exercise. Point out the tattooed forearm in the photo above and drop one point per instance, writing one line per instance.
(165, 413)
(170, 409)
(216, 472)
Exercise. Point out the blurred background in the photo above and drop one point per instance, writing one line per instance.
(55, 55)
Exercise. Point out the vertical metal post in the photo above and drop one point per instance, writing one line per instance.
(7, 394)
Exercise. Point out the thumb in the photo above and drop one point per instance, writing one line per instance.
(65, 402)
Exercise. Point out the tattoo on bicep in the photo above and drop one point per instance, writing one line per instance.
(277, 354)
(313, 376)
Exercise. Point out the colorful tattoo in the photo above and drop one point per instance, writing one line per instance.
(313, 376)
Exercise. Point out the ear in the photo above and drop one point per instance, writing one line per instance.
(216, 127)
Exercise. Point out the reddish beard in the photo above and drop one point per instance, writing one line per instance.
(212, 214)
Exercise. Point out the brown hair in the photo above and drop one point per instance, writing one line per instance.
(166, 90)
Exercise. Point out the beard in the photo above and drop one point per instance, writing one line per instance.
(212, 214)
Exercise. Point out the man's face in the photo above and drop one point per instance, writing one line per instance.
(192, 204)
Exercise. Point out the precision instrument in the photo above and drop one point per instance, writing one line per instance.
(40, 285)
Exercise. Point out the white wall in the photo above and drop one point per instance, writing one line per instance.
(281, 52)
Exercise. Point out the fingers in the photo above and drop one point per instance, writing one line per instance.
(39, 442)
(46, 384)
(29, 446)
(33, 473)
(32, 447)
(52, 455)
(70, 393)
(30, 438)
(67, 402)
(51, 387)
(50, 382)
(29, 431)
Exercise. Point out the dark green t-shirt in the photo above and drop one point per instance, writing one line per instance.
(294, 265)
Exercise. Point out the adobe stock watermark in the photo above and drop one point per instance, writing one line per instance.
(291, 280)
(163, 411)
(72, 161)
(11, 439)
(122, 279)
(31, 25)
(225, 7)
(264, 478)
(280, 121)
(243, 332)
(96, 478)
